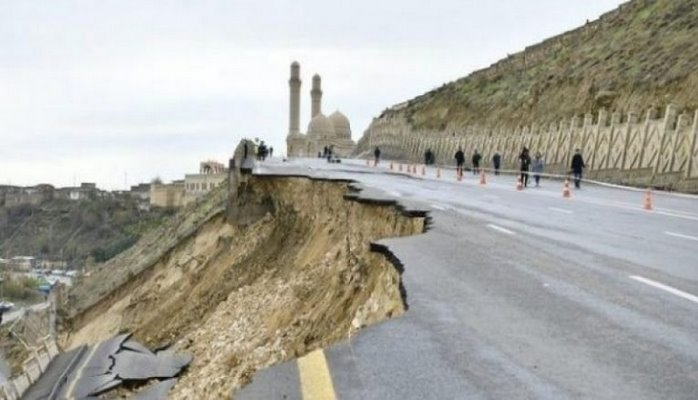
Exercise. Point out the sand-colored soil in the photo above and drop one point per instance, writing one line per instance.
(242, 298)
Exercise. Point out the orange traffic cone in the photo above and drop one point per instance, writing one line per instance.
(519, 184)
(566, 193)
(648, 200)
(438, 172)
(483, 179)
(391, 165)
(424, 170)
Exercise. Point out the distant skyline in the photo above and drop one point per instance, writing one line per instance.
(119, 92)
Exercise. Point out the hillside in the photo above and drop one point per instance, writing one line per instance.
(74, 231)
(622, 89)
(641, 55)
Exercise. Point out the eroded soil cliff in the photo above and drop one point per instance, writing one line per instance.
(298, 274)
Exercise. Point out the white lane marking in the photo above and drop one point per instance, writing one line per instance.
(682, 236)
(437, 207)
(560, 210)
(500, 229)
(671, 214)
(666, 288)
(77, 376)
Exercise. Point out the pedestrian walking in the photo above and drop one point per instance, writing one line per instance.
(377, 155)
(525, 160)
(460, 160)
(538, 165)
(476, 162)
(496, 162)
(578, 167)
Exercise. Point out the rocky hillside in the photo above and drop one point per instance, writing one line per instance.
(642, 55)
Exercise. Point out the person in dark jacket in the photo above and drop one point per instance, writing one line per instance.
(476, 162)
(578, 167)
(377, 155)
(525, 160)
(496, 162)
(460, 160)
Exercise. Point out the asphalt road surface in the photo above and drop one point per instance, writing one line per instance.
(517, 295)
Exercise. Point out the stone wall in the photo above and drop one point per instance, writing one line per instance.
(648, 149)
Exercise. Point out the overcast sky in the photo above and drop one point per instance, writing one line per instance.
(118, 92)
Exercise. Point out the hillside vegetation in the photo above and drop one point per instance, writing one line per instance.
(74, 231)
(642, 55)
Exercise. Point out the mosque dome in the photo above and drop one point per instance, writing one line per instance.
(341, 125)
(320, 127)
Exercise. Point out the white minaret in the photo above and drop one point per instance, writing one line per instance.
(316, 97)
(294, 84)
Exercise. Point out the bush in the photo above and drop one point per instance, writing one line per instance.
(21, 289)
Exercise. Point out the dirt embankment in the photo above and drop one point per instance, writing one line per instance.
(297, 276)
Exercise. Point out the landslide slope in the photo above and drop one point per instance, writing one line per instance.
(293, 271)
(641, 55)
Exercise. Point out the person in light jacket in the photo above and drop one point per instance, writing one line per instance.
(537, 166)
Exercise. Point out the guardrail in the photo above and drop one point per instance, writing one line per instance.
(32, 368)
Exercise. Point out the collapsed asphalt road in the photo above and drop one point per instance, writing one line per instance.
(518, 295)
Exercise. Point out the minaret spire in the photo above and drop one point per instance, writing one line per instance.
(316, 96)
(295, 99)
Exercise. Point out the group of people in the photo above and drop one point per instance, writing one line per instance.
(263, 151)
(527, 165)
(259, 151)
(537, 165)
(477, 157)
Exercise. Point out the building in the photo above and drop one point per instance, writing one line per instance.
(167, 195)
(22, 263)
(211, 174)
(182, 192)
(85, 191)
(323, 131)
(14, 195)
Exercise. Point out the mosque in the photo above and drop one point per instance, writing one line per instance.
(334, 131)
